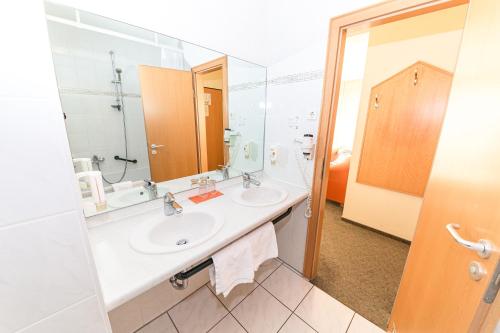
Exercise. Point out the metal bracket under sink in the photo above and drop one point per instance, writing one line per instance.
(177, 280)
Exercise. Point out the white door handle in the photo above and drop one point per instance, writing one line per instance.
(155, 146)
(483, 248)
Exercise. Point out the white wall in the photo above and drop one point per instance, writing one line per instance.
(47, 276)
(246, 105)
(233, 27)
(369, 205)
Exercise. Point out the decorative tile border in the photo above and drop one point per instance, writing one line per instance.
(279, 80)
(286, 79)
(77, 91)
(298, 77)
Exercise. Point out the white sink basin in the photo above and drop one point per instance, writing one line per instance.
(259, 196)
(167, 234)
(131, 196)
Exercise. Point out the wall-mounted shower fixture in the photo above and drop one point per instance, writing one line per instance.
(119, 106)
(117, 82)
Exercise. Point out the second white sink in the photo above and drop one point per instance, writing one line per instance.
(259, 196)
(167, 234)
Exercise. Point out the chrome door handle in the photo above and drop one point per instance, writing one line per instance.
(483, 248)
(155, 146)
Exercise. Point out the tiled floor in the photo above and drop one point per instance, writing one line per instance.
(280, 300)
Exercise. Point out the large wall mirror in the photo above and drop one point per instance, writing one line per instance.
(148, 114)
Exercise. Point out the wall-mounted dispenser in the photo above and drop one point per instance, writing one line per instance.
(250, 150)
(273, 154)
(230, 137)
(307, 145)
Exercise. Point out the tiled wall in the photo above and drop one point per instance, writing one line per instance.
(48, 281)
(84, 74)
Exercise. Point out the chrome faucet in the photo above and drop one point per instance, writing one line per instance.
(151, 188)
(224, 170)
(170, 206)
(249, 179)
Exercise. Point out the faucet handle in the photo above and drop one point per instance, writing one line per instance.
(169, 197)
(149, 182)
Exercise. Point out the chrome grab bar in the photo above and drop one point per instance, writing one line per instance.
(483, 248)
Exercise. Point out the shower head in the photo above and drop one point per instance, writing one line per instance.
(119, 74)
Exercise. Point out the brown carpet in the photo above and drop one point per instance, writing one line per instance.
(359, 267)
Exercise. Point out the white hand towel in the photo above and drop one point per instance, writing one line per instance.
(263, 244)
(237, 262)
(122, 186)
(232, 265)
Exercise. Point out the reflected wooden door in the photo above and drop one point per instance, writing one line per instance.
(402, 129)
(214, 122)
(169, 115)
(437, 294)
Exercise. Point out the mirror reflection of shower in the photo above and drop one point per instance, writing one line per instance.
(120, 107)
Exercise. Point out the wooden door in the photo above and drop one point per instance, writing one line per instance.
(169, 115)
(402, 129)
(436, 293)
(214, 129)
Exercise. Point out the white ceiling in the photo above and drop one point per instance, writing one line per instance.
(261, 31)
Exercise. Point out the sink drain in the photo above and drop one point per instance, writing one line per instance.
(182, 241)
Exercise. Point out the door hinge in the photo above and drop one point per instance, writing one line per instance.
(493, 286)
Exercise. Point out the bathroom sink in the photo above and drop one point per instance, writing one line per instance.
(131, 196)
(167, 234)
(259, 196)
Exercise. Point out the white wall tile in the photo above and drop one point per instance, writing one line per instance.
(83, 317)
(25, 56)
(44, 269)
(36, 168)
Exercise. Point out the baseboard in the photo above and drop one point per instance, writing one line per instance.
(377, 231)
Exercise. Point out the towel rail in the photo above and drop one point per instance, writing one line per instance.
(192, 271)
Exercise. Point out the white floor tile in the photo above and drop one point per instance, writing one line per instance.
(228, 325)
(287, 286)
(324, 313)
(296, 325)
(162, 324)
(236, 295)
(361, 325)
(266, 269)
(197, 313)
(260, 312)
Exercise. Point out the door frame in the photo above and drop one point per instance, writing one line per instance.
(367, 17)
(213, 65)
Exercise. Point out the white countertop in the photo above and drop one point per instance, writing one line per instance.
(124, 273)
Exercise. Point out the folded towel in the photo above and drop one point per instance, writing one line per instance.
(122, 186)
(232, 265)
(237, 262)
(263, 243)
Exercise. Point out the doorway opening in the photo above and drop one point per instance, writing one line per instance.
(392, 98)
(210, 85)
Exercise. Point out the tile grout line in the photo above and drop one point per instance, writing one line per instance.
(267, 277)
(175, 326)
(212, 327)
(292, 311)
(170, 308)
(238, 302)
(229, 312)
(238, 320)
(350, 322)
(302, 300)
